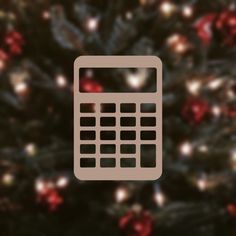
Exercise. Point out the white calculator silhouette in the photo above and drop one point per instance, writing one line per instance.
(118, 135)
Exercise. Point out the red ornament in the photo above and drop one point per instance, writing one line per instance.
(195, 110)
(204, 28)
(89, 85)
(136, 223)
(231, 209)
(51, 198)
(15, 41)
(225, 26)
(3, 55)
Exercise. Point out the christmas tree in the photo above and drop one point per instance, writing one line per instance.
(39, 42)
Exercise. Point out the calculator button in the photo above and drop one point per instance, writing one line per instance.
(108, 121)
(87, 121)
(107, 162)
(127, 121)
(127, 148)
(148, 135)
(127, 162)
(107, 135)
(148, 121)
(108, 108)
(148, 108)
(87, 135)
(87, 162)
(148, 155)
(87, 107)
(107, 148)
(128, 107)
(87, 148)
(128, 135)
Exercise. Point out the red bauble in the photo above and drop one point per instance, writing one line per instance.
(195, 110)
(15, 41)
(136, 224)
(51, 198)
(90, 85)
(225, 26)
(204, 28)
(231, 209)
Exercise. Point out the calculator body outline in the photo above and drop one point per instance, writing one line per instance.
(117, 173)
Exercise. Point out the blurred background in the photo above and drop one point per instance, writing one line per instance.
(39, 41)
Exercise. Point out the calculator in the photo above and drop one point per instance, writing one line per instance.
(118, 134)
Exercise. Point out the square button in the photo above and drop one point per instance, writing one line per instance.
(127, 121)
(128, 107)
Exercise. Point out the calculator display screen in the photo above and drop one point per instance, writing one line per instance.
(118, 80)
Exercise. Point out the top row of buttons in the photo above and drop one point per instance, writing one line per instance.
(124, 108)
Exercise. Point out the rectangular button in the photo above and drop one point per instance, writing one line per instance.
(87, 162)
(148, 108)
(128, 107)
(127, 148)
(128, 135)
(87, 107)
(108, 162)
(148, 135)
(148, 155)
(108, 121)
(87, 148)
(107, 148)
(87, 135)
(127, 121)
(148, 121)
(108, 107)
(87, 121)
(127, 162)
(107, 135)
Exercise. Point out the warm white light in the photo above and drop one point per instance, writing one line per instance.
(137, 80)
(129, 15)
(30, 149)
(40, 186)
(186, 149)
(20, 88)
(61, 81)
(62, 182)
(2, 65)
(92, 24)
(8, 179)
(203, 148)
(202, 183)
(160, 198)
(121, 194)
(46, 15)
(216, 111)
(167, 8)
(215, 84)
(187, 11)
(193, 86)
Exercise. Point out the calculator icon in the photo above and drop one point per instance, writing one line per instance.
(118, 134)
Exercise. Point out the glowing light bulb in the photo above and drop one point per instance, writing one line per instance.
(215, 84)
(121, 194)
(203, 148)
(216, 110)
(194, 86)
(62, 182)
(187, 11)
(30, 149)
(46, 15)
(186, 148)
(92, 24)
(61, 81)
(202, 183)
(159, 198)
(138, 79)
(167, 8)
(8, 179)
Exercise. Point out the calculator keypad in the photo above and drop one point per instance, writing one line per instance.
(126, 134)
